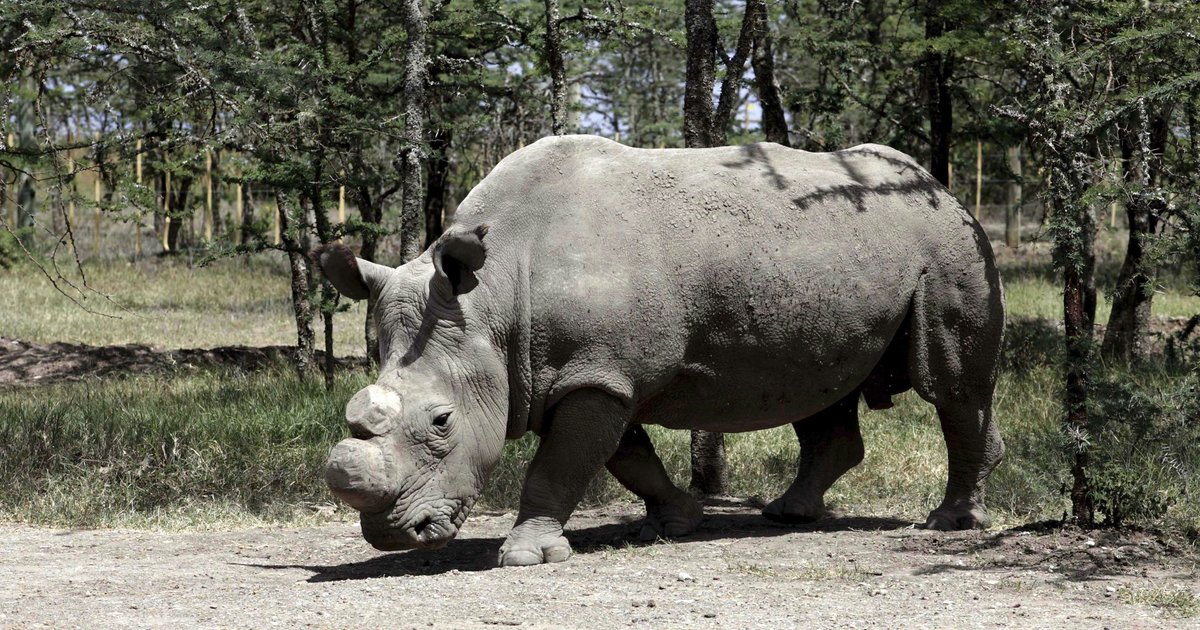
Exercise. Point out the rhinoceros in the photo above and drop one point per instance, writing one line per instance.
(588, 289)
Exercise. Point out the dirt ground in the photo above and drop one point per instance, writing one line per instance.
(739, 571)
(28, 364)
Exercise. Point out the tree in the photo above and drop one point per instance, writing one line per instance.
(707, 126)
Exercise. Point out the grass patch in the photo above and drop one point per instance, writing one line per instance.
(182, 451)
(1174, 602)
(202, 448)
(167, 302)
(810, 573)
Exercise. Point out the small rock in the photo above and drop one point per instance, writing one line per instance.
(709, 615)
(1089, 543)
(879, 591)
(651, 604)
(684, 576)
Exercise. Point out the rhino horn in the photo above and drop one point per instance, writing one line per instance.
(359, 474)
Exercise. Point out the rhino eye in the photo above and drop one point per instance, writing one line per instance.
(441, 420)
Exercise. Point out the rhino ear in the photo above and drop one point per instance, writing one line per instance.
(353, 277)
(458, 254)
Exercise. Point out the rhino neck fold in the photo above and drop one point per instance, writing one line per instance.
(520, 379)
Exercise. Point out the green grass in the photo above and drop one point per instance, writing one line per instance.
(213, 448)
(190, 450)
(1174, 602)
(166, 302)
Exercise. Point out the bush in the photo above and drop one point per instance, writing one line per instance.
(1145, 444)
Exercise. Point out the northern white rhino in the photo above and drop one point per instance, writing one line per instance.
(589, 288)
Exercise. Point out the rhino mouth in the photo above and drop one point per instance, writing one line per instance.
(429, 525)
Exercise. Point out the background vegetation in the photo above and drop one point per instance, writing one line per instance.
(170, 165)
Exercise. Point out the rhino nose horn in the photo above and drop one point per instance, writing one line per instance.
(372, 411)
(358, 473)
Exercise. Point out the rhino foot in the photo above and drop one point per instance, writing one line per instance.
(672, 520)
(794, 510)
(535, 541)
(952, 518)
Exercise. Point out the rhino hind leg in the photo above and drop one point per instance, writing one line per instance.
(584, 431)
(670, 512)
(830, 445)
(958, 327)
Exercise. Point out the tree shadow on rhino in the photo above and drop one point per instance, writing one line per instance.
(479, 554)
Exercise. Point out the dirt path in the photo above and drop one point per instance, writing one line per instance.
(738, 572)
(27, 363)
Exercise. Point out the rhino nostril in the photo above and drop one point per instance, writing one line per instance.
(420, 527)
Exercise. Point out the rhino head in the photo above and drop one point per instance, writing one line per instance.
(430, 430)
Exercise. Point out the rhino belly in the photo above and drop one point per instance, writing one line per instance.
(758, 379)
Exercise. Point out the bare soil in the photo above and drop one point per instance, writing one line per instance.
(739, 571)
(26, 363)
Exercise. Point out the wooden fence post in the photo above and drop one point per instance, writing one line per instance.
(166, 237)
(237, 217)
(71, 195)
(1012, 215)
(208, 220)
(342, 203)
(978, 176)
(13, 212)
(137, 229)
(276, 215)
(1112, 206)
(96, 227)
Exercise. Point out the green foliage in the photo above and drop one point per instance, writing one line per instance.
(1146, 444)
(96, 452)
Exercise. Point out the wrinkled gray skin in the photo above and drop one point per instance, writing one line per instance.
(589, 288)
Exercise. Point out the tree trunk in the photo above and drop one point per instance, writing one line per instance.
(1125, 339)
(557, 67)
(329, 296)
(435, 191)
(1012, 212)
(178, 203)
(306, 363)
(1075, 397)
(936, 71)
(709, 470)
(774, 123)
(698, 111)
(26, 122)
(247, 218)
(416, 70)
(370, 214)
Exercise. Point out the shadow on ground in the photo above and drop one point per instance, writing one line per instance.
(480, 554)
(1076, 554)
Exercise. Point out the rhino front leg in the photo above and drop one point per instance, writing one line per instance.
(830, 445)
(585, 429)
(670, 512)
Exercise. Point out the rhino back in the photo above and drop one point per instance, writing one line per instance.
(732, 288)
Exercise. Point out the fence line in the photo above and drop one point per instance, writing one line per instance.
(990, 203)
